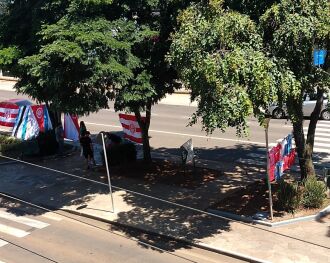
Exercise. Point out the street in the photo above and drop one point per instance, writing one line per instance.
(39, 236)
(169, 130)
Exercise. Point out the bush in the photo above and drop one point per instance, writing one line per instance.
(10, 146)
(289, 196)
(314, 193)
(121, 154)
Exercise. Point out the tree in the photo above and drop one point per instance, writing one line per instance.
(237, 63)
(94, 51)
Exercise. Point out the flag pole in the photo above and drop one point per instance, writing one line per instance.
(266, 124)
(108, 173)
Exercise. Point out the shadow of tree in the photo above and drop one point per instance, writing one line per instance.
(54, 190)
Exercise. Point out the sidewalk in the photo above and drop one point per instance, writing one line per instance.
(141, 212)
(181, 98)
(233, 237)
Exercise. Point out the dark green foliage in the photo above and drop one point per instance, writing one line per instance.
(121, 154)
(289, 196)
(10, 146)
(47, 143)
(239, 56)
(314, 193)
(13, 147)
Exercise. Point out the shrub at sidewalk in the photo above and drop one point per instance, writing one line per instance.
(13, 147)
(314, 193)
(289, 196)
(10, 146)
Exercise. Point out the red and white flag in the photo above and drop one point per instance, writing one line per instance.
(8, 114)
(131, 127)
(71, 127)
(41, 114)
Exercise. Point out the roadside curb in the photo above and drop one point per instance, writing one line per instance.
(8, 78)
(249, 219)
(197, 244)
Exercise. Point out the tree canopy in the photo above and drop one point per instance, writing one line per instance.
(90, 52)
(239, 61)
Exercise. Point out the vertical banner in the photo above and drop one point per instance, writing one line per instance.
(42, 116)
(71, 127)
(131, 127)
(26, 126)
(8, 114)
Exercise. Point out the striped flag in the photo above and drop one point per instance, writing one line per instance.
(71, 127)
(26, 126)
(8, 114)
(42, 116)
(131, 127)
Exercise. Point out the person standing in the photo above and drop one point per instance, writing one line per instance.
(59, 133)
(82, 130)
(87, 146)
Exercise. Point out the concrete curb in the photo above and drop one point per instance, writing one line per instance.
(200, 245)
(8, 78)
(261, 222)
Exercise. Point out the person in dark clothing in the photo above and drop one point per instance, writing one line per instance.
(59, 133)
(87, 146)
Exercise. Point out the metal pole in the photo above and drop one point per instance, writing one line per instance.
(108, 173)
(267, 170)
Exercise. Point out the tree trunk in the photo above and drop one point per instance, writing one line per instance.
(305, 148)
(144, 125)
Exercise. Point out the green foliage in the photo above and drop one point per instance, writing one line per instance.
(80, 64)
(10, 146)
(239, 56)
(314, 193)
(289, 196)
(221, 58)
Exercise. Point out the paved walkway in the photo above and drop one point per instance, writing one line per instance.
(300, 242)
(180, 98)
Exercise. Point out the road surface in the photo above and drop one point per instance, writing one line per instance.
(31, 235)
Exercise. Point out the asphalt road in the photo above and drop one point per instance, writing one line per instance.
(169, 130)
(29, 235)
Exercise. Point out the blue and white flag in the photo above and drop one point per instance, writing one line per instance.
(26, 126)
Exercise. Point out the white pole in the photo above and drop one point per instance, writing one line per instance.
(267, 170)
(108, 173)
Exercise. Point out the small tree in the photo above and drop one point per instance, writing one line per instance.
(90, 52)
(236, 65)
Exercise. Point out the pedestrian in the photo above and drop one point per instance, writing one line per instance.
(82, 130)
(326, 211)
(87, 146)
(59, 133)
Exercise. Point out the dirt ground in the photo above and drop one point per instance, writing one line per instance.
(247, 201)
(255, 198)
(166, 172)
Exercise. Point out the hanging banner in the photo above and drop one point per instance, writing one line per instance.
(26, 126)
(42, 116)
(131, 127)
(281, 157)
(8, 114)
(71, 127)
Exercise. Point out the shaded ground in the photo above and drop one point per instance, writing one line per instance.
(254, 198)
(167, 172)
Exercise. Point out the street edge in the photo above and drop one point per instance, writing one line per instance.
(260, 222)
(197, 244)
